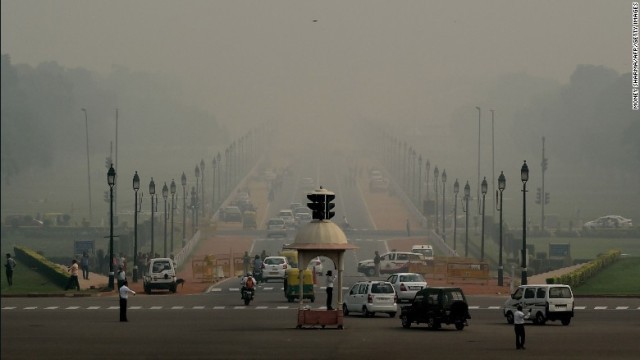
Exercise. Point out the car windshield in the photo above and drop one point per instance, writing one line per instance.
(274, 261)
(381, 288)
(158, 266)
(560, 292)
(412, 278)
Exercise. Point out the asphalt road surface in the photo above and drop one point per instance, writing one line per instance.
(216, 325)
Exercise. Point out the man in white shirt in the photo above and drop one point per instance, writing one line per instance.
(518, 324)
(330, 279)
(124, 292)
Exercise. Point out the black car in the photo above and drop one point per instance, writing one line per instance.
(436, 306)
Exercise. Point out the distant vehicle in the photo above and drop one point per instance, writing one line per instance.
(371, 297)
(22, 220)
(392, 262)
(249, 220)
(276, 227)
(294, 205)
(407, 285)
(232, 214)
(287, 216)
(436, 306)
(302, 218)
(609, 221)
(426, 250)
(378, 185)
(300, 209)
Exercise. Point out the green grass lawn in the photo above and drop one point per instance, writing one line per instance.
(621, 278)
(26, 280)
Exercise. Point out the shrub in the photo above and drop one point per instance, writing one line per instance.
(42, 265)
(588, 270)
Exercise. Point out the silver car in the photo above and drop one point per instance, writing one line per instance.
(371, 297)
(407, 285)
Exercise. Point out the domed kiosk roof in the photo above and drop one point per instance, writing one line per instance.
(320, 234)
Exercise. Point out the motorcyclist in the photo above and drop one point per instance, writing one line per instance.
(257, 268)
(248, 282)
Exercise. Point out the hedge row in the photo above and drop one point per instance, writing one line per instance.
(587, 271)
(42, 265)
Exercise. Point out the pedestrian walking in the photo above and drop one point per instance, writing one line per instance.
(84, 262)
(246, 260)
(518, 326)
(124, 292)
(73, 279)
(330, 279)
(376, 263)
(9, 266)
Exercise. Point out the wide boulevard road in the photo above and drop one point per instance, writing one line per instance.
(216, 325)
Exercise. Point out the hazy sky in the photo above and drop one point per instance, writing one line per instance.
(261, 60)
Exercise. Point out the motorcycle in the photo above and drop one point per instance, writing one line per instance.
(257, 274)
(247, 295)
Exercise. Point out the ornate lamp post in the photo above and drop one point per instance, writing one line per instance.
(193, 210)
(183, 181)
(484, 193)
(202, 184)
(219, 159)
(444, 229)
(152, 194)
(111, 180)
(436, 173)
(427, 170)
(456, 189)
(197, 192)
(213, 182)
(165, 194)
(467, 194)
(419, 202)
(172, 188)
(502, 184)
(524, 176)
(136, 187)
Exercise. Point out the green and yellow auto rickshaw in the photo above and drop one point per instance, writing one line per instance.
(292, 285)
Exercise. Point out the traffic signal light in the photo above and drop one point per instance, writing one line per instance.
(329, 205)
(546, 198)
(538, 194)
(316, 205)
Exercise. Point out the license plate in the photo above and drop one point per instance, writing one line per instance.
(383, 299)
(415, 287)
(273, 272)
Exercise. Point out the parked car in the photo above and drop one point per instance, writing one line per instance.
(161, 274)
(371, 297)
(436, 306)
(274, 267)
(276, 227)
(232, 214)
(609, 221)
(391, 262)
(546, 302)
(407, 285)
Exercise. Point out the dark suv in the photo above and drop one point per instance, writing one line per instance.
(436, 306)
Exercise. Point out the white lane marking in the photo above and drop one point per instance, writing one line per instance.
(622, 307)
(113, 308)
(239, 307)
(234, 289)
(268, 288)
(135, 307)
(177, 307)
(493, 307)
(579, 307)
(261, 307)
(93, 307)
(474, 307)
(212, 289)
(155, 308)
(198, 307)
(31, 308)
(600, 308)
(51, 308)
(218, 307)
(8, 308)
(282, 307)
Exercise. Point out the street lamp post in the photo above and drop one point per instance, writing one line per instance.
(202, 184)
(219, 162)
(173, 196)
(444, 229)
(111, 180)
(165, 194)
(152, 194)
(213, 183)
(524, 176)
(467, 194)
(456, 189)
(484, 193)
(436, 173)
(183, 181)
(502, 184)
(478, 108)
(136, 187)
(419, 202)
(193, 210)
(197, 191)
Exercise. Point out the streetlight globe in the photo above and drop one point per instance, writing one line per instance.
(502, 181)
(173, 187)
(456, 187)
(183, 179)
(483, 186)
(202, 165)
(467, 189)
(218, 157)
(111, 176)
(165, 191)
(444, 176)
(524, 172)
(136, 182)
(152, 187)
(436, 172)
(197, 171)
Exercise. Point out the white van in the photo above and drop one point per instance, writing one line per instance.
(426, 250)
(546, 302)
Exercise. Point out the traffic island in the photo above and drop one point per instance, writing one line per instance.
(309, 317)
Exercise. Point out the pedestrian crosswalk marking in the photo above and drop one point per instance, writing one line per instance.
(135, 307)
(93, 308)
(622, 307)
(72, 307)
(600, 308)
(51, 308)
(177, 307)
(579, 307)
(156, 307)
(31, 308)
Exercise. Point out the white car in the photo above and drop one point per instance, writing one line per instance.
(407, 285)
(287, 216)
(274, 267)
(276, 227)
(370, 297)
(609, 221)
(391, 262)
(161, 274)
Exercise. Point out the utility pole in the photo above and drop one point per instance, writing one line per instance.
(544, 198)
